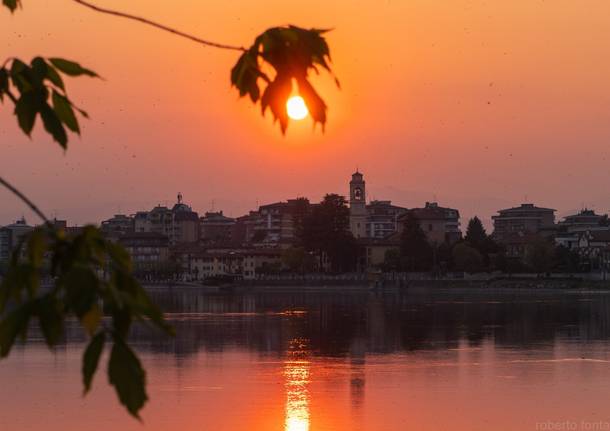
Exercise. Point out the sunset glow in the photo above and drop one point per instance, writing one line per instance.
(297, 395)
(296, 108)
(445, 99)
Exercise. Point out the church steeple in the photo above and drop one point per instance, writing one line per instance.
(357, 205)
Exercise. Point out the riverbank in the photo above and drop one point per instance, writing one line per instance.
(346, 286)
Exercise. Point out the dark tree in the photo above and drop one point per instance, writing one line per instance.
(467, 258)
(566, 260)
(444, 257)
(475, 233)
(301, 210)
(477, 238)
(391, 260)
(539, 255)
(326, 232)
(416, 251)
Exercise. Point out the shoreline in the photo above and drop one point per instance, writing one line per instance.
(537, 285)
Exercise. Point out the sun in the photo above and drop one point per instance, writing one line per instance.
(296, 108)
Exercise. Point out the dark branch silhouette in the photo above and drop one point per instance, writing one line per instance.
(25, 199)
(159, 26)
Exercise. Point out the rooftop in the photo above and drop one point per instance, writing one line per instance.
(526, 207)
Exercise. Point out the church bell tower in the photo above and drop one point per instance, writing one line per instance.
(357, 205)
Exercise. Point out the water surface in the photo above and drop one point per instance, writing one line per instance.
(418, 360)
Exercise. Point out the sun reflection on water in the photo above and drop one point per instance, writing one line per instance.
(297, 374)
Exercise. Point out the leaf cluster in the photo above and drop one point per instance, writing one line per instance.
(38, 89)
(292, 52)
(11, 4)
(92, 278)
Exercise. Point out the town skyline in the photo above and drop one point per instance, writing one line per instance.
(484, 209)
(480, 104)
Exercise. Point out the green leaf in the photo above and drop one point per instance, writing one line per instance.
(53, 125)
(26, 110)
(245, 74)
(55, 77)
(81, 287)
(11, 4)
(4, 87)
(63, 109)
(39, 68)
(119, 255)
(315, 104)
(127, 376)
(71, 68)
(92, 319)
(91, 359)
(21, 76)
(275, 96)
(50, 315)
(293, 52)
(13, 324)
(36, 247)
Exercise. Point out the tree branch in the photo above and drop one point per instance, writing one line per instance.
(159, 26)
(26, 200)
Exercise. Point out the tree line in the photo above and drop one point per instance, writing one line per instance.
(322, 236)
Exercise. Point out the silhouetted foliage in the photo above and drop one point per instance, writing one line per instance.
(391, 260)
(566, 260)
(87, 269)
(443, 257)
(539, 254)
(11, 4)
(467, 258)
(301, 210)
(91, 276)
(475, 233)
(297, 259)
(292, 52)
(477, 237)
(326, 231)
(415, 250)
(35, 84)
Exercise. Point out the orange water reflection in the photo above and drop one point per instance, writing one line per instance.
(297, 395)
(297, 377)
(462, 366)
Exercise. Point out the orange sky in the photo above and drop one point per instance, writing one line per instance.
(475, 103)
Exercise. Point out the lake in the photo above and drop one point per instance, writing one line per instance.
(420, 359)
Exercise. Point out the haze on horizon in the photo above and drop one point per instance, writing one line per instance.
(477, 104)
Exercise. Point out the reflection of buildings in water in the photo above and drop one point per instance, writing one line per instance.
(357, 362)
(413, 320)
(297, 374)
